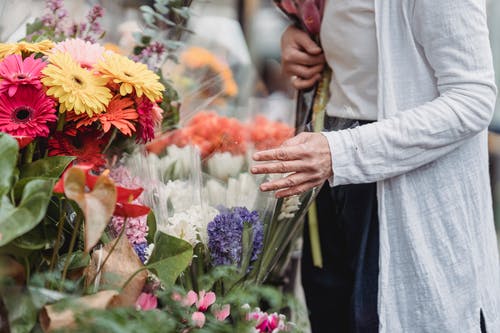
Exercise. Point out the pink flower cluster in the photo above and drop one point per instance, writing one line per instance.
(203, 301)
(268, 323)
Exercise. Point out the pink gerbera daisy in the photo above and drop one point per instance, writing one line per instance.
(27, 112)
(85, 53)
(16, 72)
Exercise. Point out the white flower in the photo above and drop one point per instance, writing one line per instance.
(225, 165)
(290, 206)
(180, 162)
(191, 224)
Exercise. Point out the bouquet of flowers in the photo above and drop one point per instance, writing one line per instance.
(84, 244)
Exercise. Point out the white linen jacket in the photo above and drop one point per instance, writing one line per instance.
(439, 264)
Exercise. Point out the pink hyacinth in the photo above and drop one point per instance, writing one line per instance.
(16, 72)
(136, 230)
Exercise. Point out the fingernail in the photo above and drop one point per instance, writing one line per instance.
(253, 170)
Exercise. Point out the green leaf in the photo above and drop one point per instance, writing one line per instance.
(170, 257)
(50, 167)
(151, 227)
(16, 221)
(9, 151)
(41, 237)
(22, 312)
(79, 259)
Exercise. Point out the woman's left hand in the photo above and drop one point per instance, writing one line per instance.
(306, 157)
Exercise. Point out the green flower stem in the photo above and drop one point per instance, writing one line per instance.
(72, 243)
(111, 139)
(60, 228)
(61, 121)
(29, 151)
(314, 236)
(318, 116)
(132, 276)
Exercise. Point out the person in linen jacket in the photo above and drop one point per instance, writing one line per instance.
(427, 152)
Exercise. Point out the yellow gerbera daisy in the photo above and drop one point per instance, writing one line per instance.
(25, 47)
(131, 75)
(76, 88)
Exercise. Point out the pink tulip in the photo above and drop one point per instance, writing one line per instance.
(146, 301)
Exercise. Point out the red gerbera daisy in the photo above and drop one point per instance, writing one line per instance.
(85, 147)
(27, 112)
(17, 72)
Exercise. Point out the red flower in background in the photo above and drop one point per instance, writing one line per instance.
(267, 134)
(85, 147)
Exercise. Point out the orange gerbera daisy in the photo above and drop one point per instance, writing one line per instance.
(118, 114)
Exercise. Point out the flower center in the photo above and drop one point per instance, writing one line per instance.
(21, 76)
(77, 80)
(127, 74)
(22, 114)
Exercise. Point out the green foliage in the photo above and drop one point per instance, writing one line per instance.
(9, 152)
(49, 167)
(165, 22)
(17, 220)
(170, 257)
(124, 320)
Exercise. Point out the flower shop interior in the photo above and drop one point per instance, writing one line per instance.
(131, 208)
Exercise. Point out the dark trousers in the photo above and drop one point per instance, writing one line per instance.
(342, 296)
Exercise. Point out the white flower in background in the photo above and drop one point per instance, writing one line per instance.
(214, 192)
(191, 225)
(180, 162)
(242, 191)
(180, 194)
(225, 165)
(237, 192)
(290, 206)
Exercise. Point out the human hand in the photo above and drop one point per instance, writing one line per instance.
(306, 157)
(302, 59)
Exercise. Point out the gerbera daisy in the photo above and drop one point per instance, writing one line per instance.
(16, 72)
(119, 112)
(85, 53)
(131, 76)
(76, 88)
(25, 47)
(26, 113)
(85, 147)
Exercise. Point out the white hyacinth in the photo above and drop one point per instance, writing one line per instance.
(191, 224)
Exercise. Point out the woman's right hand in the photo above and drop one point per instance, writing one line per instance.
(301, 58)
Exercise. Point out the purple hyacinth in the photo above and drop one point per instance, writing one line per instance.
(225, 235)
(140, 249)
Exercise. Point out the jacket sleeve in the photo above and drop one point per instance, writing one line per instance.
(454, 37)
